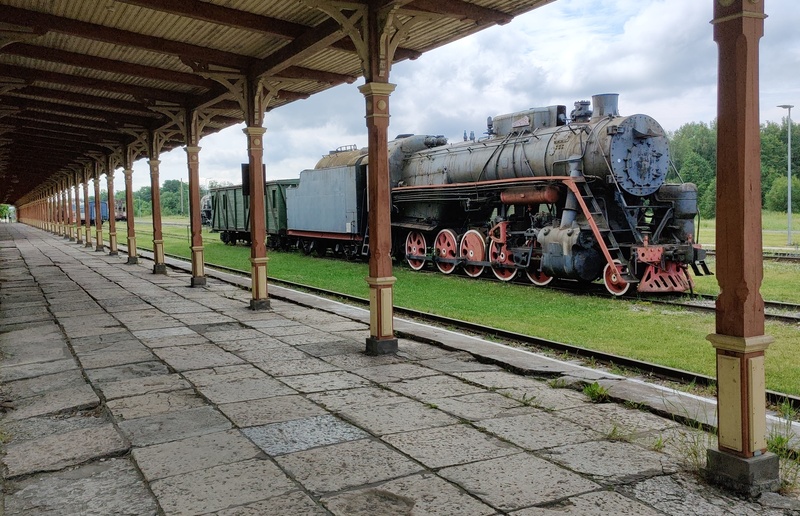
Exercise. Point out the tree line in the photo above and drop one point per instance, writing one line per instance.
(693, 149)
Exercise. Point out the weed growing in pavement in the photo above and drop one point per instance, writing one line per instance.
(658, 444)
(596, 392)
(558, 383)
(528, 400)
(780, 440)
(618, 434)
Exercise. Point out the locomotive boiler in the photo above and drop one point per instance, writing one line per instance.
(580, 197)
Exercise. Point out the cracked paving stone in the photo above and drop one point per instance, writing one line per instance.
(302, 434)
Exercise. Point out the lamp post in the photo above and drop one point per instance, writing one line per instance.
(789, 173)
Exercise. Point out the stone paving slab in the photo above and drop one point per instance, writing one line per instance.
(334, 468)
(450, 445)
(43, 426)
(97, 489)
(194, 454)
(424, 494)
(151, 404)
(295, 503)
(171, 426)
(199, 356)
(54, 402)
(274, 409)
(40, 384)
(518, 481)
(221, 487)
(593, 504)
(301, 434)
(58, 451)
(611, 462)
(144, 385)
(123, 372)
(397, 417)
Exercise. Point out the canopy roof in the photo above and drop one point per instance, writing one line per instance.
(80, 79)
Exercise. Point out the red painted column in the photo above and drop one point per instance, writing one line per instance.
(196, 225)
(129, 214)
(380, 280)
(258, 222)
(741, 462)
(70, 213)
(98, 219)
(76, 186)
(87, 207)
(112, 223)
(159, 266)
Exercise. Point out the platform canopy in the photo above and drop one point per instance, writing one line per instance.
(80, 79)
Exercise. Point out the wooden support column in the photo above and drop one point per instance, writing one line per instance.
(129, 214)
(741, 461)
(62, 214)
(87, 222)
(258, 223)
(98, 219)
(76, 185)
(159, 266)
(70, 214)
(112, 222)
(192, 131)
(380, 279)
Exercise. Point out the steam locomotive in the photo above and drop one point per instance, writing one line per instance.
(582, 198)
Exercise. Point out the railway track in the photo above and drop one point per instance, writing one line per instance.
(647, 370)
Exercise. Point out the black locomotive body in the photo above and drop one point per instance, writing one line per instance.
(582, 197)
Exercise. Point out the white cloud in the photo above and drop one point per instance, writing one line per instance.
(659, 55)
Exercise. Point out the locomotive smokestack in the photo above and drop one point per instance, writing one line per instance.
(604, 105)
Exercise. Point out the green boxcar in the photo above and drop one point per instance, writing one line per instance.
(230, 213)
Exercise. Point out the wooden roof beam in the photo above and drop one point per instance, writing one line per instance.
(106, 65)
(459, 9)
(48, 22)
(63, 96)
(139, 92)
(48, 127)
(81, 112)
(208, 12)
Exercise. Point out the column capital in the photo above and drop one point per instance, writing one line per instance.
(190, 149)
(377, 88)
(152, 162)
(740, 344)
(254, 130)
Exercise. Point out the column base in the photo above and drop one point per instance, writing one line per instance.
(79, 241)
(159, 268)
(71, 239)
(748, 476)
(199, 281)
(132, 260)
(113, 253)
(99, 249)
(259, 304)
(87, 244)
(377, 347)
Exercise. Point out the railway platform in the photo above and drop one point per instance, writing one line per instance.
(127, 392)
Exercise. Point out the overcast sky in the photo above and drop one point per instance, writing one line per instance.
(659, 55)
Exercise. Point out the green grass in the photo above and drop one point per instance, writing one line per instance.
(640, 330)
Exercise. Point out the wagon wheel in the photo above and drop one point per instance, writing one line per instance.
(498, 256)
(320, 249)
(307, 246)
(612, 278)
(445, 247)
(415, 246)
(473, 248)
(534, 273)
